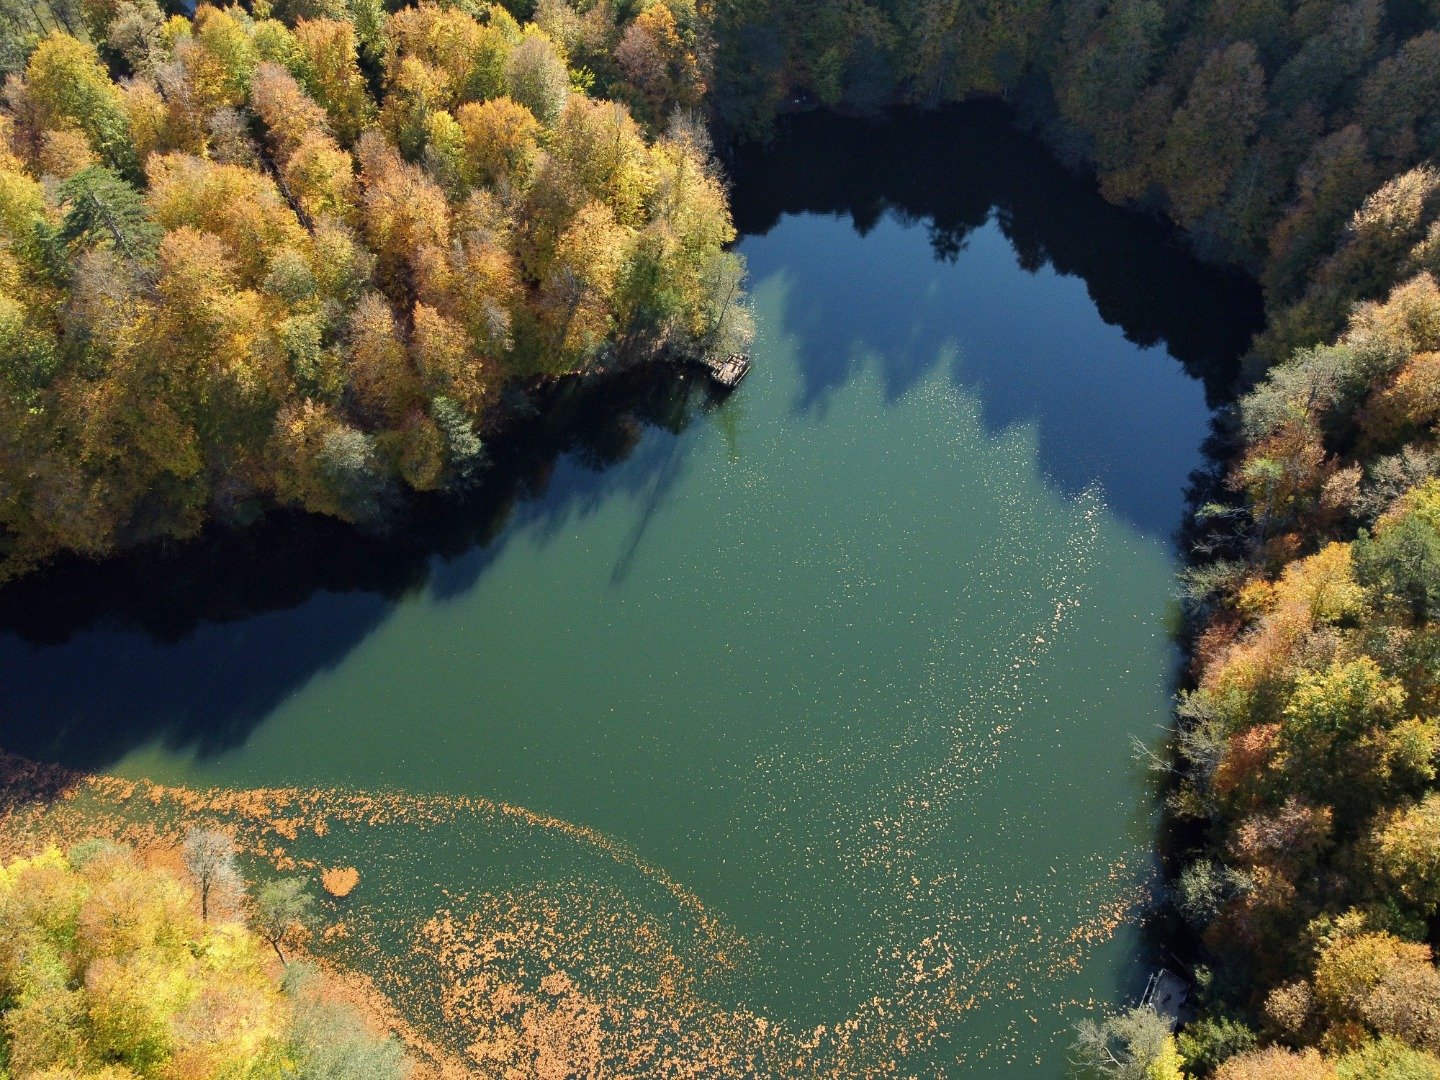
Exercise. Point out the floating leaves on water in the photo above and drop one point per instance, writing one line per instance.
(340, 881)
(530, 946)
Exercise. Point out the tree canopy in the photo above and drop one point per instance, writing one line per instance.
(108, 971)
(292, 255)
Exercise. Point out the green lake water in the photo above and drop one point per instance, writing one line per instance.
(854, 657)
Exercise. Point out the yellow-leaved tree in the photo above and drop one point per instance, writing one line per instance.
(109, 972)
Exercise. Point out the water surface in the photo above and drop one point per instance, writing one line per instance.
(855, 656)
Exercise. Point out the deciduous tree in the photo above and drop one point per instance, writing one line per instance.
(283, 911)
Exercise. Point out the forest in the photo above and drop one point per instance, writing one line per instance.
(295, 253)
(119, 966)
(262, 257)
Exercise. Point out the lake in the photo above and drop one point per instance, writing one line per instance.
(792, 732)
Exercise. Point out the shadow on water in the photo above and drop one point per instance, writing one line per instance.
(957, 168)
(194, 644)
(191, 647)
(1026, 254)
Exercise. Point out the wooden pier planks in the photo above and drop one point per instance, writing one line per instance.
(729, 371)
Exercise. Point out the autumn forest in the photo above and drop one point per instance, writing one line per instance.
(299, 265)
(309, 254)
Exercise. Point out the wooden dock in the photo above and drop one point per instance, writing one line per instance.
(729, 371)
(1169, 995)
